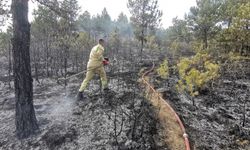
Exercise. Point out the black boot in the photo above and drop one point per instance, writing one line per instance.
(106, 89)
(79, 96)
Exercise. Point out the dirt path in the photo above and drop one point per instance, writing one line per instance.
(166, 115)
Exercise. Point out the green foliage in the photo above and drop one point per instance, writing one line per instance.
(237, 57)
(145, 17)
(4, 41)
(178, 38)
(197, 46)
(179, 31)
(238, 33)
(82, 42)
(151, 42)
(123, 26)
(163, 70)
(234, 37)
(217, 26)
(148, 17)
(45, 23)
(68, 23)
(202, 19)
(175, 46)
(84, 22)
(115, 42)
(102, 23)
(196, 73)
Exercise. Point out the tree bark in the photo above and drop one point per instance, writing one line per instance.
(26, 122)
(10, 65)
(142, 42)
(36, 62)
(47, 56)
(205, 39)
(65, 65)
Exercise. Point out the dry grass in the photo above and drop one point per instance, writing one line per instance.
(171, 129)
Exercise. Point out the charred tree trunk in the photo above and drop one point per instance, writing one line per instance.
(76, 62)
(205, 38)
(36, 62)
(10, 65)
(65, 65)
(56, 66)
(142, 42)
(26, 122)
(36, 73)
(47, 56)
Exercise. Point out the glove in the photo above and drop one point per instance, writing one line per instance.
(105, 62)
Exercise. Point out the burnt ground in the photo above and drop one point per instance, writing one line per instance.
(107, 121)
(217, 121)
(119, 119)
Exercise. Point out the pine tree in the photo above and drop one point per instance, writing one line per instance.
(203, 18)
(123, 26)
(84, 22)
(67, 27)
(26, 122)
(145, 17)
(44, 30)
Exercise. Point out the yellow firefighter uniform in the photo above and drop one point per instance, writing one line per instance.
(95, 66)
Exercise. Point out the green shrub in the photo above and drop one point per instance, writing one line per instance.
(163, 70)
(196, 73)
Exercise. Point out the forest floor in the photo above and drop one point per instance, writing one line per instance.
(122, 118)
(216, 121)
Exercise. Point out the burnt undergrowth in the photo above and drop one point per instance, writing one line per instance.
(220, 118)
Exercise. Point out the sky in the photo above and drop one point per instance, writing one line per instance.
(170, 8)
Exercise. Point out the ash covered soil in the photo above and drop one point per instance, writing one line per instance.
(220, 118)
(118, 119)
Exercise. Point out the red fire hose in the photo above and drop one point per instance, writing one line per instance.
(185, 136)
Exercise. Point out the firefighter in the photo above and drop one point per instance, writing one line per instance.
(95, 66)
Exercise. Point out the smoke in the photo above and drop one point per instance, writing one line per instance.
(63, 107)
